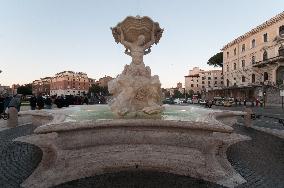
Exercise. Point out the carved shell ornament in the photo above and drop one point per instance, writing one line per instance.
(132, 27)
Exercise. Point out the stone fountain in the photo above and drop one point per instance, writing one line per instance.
(135, 91)
(79, 149)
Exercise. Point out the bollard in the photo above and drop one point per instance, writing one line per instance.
(13, 117)
(247, 117)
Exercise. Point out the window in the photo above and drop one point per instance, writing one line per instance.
(228, 54)
(208, 82)
(265, 55)
(209, 78)
(281, 31)
(253, 78)
(243, 63)
(215, 82)
(243, 79)
(202, 82)
(228, 83)
(192, 85)
(243, 47)
(265, 76)
(253, 43)
(235, 66)
(203, 78)
(253, 59)
(197, 85)
(222, 82)
(234, 78)
(215, 78)
(265, 38)
(281, 50)
(235, 51)
(227, 68)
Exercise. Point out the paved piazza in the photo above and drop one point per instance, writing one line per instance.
(260, 161)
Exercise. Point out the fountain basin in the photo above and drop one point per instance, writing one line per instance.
(74, 150)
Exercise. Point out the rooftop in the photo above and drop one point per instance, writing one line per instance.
(255, 30)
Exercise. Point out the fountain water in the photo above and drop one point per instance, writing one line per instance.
(171, 142)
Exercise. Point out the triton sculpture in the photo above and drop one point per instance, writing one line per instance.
(135, 91)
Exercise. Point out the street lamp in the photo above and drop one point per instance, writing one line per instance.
(264, 98)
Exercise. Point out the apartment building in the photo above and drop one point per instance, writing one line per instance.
(69, 83)
(199, 80)
(256, 57)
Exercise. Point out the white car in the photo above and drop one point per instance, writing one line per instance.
(177, 101)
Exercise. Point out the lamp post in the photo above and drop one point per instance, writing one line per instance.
(264, 98)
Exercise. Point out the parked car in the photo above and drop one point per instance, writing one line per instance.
(218, 101)
(168, 101)
(177, 101)
(189, 101)
(228, 102)
(202, 102)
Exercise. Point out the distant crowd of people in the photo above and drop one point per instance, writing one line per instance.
(40, 102)
(47, 102)
(8, 101)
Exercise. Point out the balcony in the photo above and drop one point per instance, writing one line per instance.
(269, 61)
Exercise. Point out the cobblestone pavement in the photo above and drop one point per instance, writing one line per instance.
(268, 117)
(138, 180)
(260, 161)
(17, 160)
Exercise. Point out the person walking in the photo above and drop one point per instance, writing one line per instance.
(33, 102)
(2, 104)
(13, 109)
(7, 101)
(48, 102)
(40, 102)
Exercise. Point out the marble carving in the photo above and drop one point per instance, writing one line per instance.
(135, 91)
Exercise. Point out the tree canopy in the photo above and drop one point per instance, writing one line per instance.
(25, 89)
(216, 60)
(96, 89)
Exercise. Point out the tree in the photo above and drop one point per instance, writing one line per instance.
(177, 94)
(96, 89)
(25, 89)
(190, 93)
(216, 60)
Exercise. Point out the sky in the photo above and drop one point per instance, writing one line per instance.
(40, 38)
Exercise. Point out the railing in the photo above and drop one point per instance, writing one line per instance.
(4, 116)
(268, 61)
(257, 116)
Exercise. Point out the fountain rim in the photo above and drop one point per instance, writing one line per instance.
(215, 126)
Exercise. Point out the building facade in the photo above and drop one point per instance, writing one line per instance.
(199, 80)
(256, 57)
(103, 82)
(69, 83)
(41, 86)
(5, 90)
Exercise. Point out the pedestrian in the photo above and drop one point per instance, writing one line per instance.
(245, 102)
(2, 104)
(13, 109)
(48, 102)
(6, 102)
(40, 102)
(33, 102)
(236, 102)
(86, 100)
(256, 102)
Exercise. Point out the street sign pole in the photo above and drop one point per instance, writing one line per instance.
(282, 95)
(282, 101)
